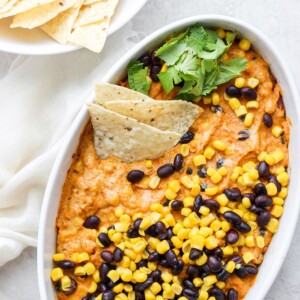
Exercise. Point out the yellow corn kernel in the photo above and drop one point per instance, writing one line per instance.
(209, 153)
(185, 150)
(244, 44)
(211, 243)
(196, 179)
(156, 207)
(252, 104)
(195, 190)
(246, 202)
(226, 226)
(89, 268)
(253, 174)
(262, 156)
(215, 99)
(216, 177)
(273, 225)
(139, 276)
(241, 111)
(118, 288)
(249, 241)
(260, 241)
(202, 260)
(194, 219)
(220, 234)
(58, 256)
(234, 176)
(249, 119)
(230, 266)
(221, 33)
(239, 82)
(154, 182)
(188, 201)
(149, 164)
(219, 145)
(174, 185)
(197, 242)
(197, 281)
(146, 223)
(203, 231)
(176, 242)
(117, 237)
(248, 256)
(252, 82)
(125, 262)
(283, 193)
(125, 218)
(96, 276)
(216, 225)
(271, 189)
(279, 170)
(269, 159)
(278, 155)
(170, 220)
(283, 178)
(278, 201)
(247, 181)
(187, 182)
(57, 274)
(277, 211)
(277, 131)
(119, 211)
(166, 277)
(211, 191)
(93, 287)
(228, 250)
(170, 195)
(199, 160)
(126, 275)
(226, 97)
(203, 295)
(155, 288)
(80, 271)
(162, 247)
(128, 287)
(220, 284)
(65, 283)
(222, 199)
(223, 171)
(211, 171)
(82, 257)
(121, 227)
(204, 210)
(137, 216)
(234, 103)
(210, 280)
(183, 233)
(140, 246)
(206, 100)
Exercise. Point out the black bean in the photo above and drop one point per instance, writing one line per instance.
(232, 217)
(165, 170)
(169, 233)
(263, 201)
(156, 275)
(223, 275)
(263, 169)
(195, 254)
(232, 236)
(91, 222)
(213, 205)
(251, 269)
(177, 205)
(220, 163)
(151, 230)
(142, 263)
(219, 252)
(166, 203)
(187, 137)
(133, 233)
(171, 258)
(217, 293)
(243, 135)
(139, 296)
(65, 264)
(141, 287)
(190, 294)
(253, 208)
(214, 263)
(178, 162)
(189, 171)
(216, 108)
(178, 268)
(104, 269)
(188, 283)
(263, 219)
(272, 178)
(260, 189)
(164, 263)
(118, 254)
(57, 286)
(262, 231)
(108, 295)
(154, 256)
(241, 272)
(236, 258)
(249, 93)
(243, 227)
(87, 297)
(233, 194)
(202, 172)
(198, 202)
(233, 91)
(205, 268)
(193, 271)
(232, 294)
(137, 223)
(160, 227)
(145, 59)
(154, 58)
(250, 196)
(135, 176)
(107, 256)
(104, 239)
(154, 70)
(72, 288)
(203, 187)
(102, 287)
(268, 120)
(111, 227)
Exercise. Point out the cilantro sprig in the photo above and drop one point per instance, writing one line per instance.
(193, 58)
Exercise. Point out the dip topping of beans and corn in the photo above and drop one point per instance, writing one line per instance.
(193, 224)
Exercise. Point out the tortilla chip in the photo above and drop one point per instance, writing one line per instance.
(96, 12)
(105, 92)
(88, 2)
(126, 138)
(18, 7)
(173, 115)
(7, 6)
(3, 3)
(41, 14)
(61, 26)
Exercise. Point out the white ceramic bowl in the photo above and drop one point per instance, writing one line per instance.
(36, 42)
(281, 241)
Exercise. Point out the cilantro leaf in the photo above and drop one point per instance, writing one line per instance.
(137, 77)
(171, 52)
(188, 65)
(169, 78)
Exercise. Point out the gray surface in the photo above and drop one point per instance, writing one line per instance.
(280, 21)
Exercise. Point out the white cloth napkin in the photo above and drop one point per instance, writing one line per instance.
(39, 98)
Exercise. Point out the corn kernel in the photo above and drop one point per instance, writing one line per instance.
(220, 284)
(220, 234)
(128, 287)
(260, 241)
(271, 189)
(154, 182)
(195, 190)
(230, 266)
(216, 177)
(277, 211)
(209, 153)
(219, 145)
(278, 155)
(96, 276)
(222, 199)
(228, 250)
(203, 295)
(58, 256)
(210, 280)
(139, 276)
(283, 193)
(57, 274)
(183, 233)
(80, 271)
(221, 33)
(277, 131)
(241, 111)
(197, 242)
(239, 82)
(140, 246)
(204, 210)
(82, 257)
(174, 185)
(252, 82)
(249, 241)
(162, 247)
(185, 150)
(119, 211)
(234, 103)
(234, 176)
(199, 160)
(273, 225)
(166, 277)
(146, 223)
(216, 225)
(247, 181)
(187, 182)
(225, 226)
(93, 287)
(65, 283)
(118, 288)
(244, 44)
(202, 260)
(215, 99)
(126, 275)
(155, 288)
(170, 195)
(197, 282)
(248, 256)
(211, 191)
(249, 119)
(211, 243)
(283, 178)
(89, 268)
(280, 169)
(176, 288)
(176, 242)
(278, 201)
(206, 100)
(252, 104)
(222, 171)
(269, 159)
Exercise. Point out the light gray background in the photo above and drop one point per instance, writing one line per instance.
(280, 20)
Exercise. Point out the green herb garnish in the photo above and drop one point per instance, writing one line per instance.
(137, 77)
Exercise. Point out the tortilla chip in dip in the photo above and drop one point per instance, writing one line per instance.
(126, 138)
(110, 92)
(41, 14)
(174, 115)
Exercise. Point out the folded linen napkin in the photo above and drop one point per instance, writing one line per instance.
(39, 98)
